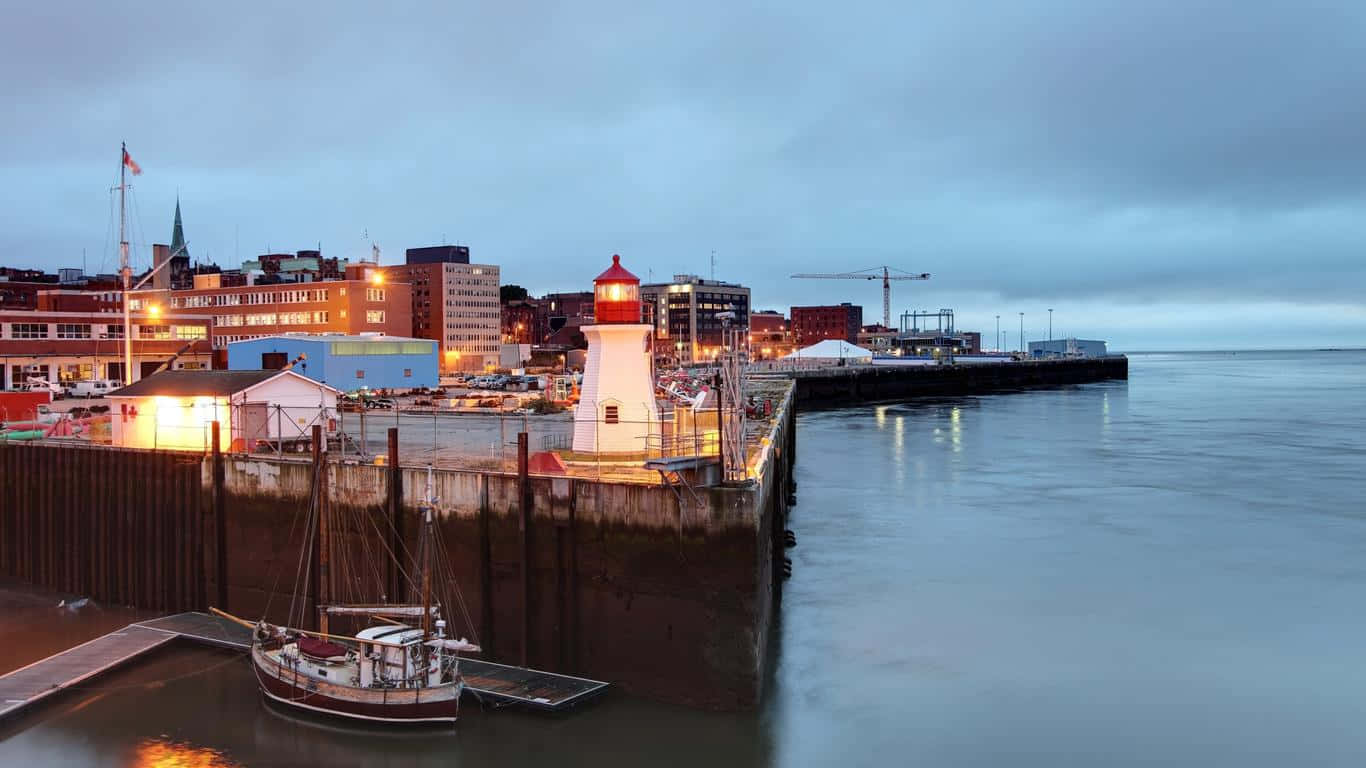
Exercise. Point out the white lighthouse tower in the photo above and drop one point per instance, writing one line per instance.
(617, 411)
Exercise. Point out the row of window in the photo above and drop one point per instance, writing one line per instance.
(251, 298)
(87, 331)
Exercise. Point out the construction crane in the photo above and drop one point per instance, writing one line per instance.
(872, 274)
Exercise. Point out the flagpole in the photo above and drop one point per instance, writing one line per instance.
(125, 269)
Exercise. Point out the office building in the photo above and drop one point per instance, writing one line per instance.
(453, 302)
(685, 313)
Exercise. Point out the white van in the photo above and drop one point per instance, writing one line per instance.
(92, 388)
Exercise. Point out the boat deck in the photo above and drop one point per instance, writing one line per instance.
(498, 683)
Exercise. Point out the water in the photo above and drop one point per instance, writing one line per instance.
(1161, 571)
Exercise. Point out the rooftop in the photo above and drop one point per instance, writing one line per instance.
(189, 383)
(330, 337)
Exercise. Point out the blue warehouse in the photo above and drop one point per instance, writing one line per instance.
(344, 362)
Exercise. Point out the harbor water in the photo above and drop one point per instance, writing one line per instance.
(1163, 571)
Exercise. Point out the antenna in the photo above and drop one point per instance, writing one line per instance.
(713, 265)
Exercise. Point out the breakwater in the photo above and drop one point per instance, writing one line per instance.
(664, 592)
(852, 385)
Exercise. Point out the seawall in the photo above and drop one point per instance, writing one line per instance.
(663, 591)
(853, 385)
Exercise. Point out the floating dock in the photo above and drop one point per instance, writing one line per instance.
(25, 687)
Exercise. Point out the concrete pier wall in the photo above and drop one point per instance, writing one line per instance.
(665, 592)
(836, 387)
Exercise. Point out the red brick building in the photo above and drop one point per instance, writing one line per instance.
(565, 313)
(524, 322)
(74, 346)
(835, 321)
(770, 335)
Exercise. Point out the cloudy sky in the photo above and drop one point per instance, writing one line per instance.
(1168, 174)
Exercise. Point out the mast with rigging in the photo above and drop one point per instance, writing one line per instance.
(125, 270)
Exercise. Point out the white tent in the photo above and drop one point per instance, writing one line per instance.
(832, 349)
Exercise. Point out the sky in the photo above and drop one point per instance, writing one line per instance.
(1172, 174)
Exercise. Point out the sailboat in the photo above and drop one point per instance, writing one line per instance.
(400, 667)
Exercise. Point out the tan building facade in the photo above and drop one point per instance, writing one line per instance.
(457, 305)
(249, 312)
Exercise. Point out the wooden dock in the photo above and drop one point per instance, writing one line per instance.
(29, 685)
(498, 683)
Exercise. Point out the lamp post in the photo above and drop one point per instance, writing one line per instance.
(1050, 323)
(998, 333)
(1022, 347)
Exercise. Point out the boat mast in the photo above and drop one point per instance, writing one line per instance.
(124, 268)
(324, 533)
(428, 544)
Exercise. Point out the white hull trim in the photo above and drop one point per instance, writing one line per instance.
(354, 716)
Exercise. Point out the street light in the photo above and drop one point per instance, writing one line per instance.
(1021, 332)
(1050, 323)
(998, 333)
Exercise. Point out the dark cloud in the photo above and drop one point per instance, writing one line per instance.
(1197, 152)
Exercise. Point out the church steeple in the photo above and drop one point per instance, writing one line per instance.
(178, 234)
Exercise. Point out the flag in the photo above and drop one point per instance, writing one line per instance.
(132, 166)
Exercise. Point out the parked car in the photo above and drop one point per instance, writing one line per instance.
(39, 384)
(379, 402)
(79, 412)
(91, 388)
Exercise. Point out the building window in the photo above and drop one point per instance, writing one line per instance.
(72, 331)
(191, 332)
(374, 294)
(374, 315)
(154, 332)
(191, 366)
(113, 332)
(28, 331)
(360, 374)
(609, 414)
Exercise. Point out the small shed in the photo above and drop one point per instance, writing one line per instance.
(346, 362)
(175, 409)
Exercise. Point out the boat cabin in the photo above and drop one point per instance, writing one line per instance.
(396, 661)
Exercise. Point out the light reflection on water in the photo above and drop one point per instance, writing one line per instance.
(171, 754)
(1163, 571)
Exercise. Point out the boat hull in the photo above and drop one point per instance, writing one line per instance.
(436, 704)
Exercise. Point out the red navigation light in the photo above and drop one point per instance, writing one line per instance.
(616, 295)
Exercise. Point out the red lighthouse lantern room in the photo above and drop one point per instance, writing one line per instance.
(616, 296)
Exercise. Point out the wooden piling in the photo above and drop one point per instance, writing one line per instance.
(524, 502)
(220, 524)
(395, 512)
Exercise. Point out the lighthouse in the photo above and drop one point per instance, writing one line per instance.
(617, 411)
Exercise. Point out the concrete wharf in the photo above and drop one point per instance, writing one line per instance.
(25, 687)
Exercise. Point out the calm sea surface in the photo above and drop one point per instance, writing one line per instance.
(1169, 570)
